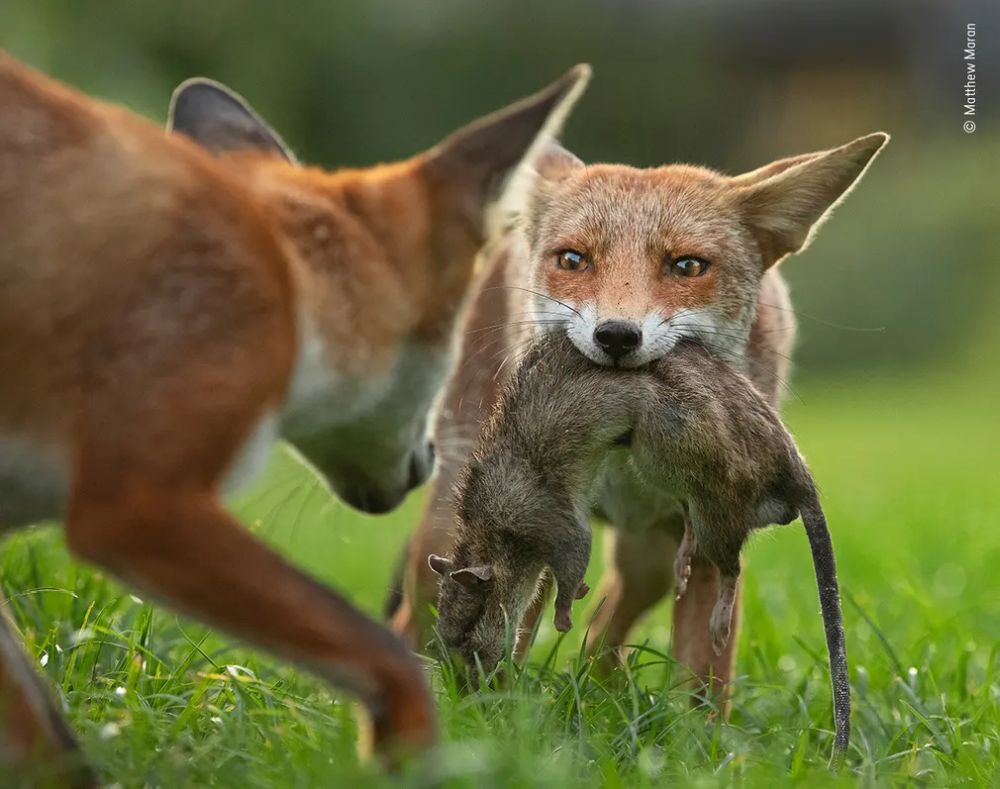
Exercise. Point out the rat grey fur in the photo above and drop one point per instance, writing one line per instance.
(697, 429)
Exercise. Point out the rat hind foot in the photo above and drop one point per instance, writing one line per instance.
(564, 613)
(682, 561)
(720, 623)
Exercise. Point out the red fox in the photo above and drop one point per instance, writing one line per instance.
(628, 262)
(171, 303)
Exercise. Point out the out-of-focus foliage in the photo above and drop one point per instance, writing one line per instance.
(914, 252)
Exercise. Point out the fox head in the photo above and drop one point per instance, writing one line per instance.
(382, 258)
(629, 261)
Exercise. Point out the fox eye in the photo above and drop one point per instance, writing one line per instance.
(688, 267)
(570, 260)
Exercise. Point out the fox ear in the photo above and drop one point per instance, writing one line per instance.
(473, 577)
(551, 164)
(774, 168)
(477, 161)
(554, 162)
(786, 202)
(221, 120)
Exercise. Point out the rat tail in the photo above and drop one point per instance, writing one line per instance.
(829, 600)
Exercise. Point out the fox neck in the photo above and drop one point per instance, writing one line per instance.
(345, 347)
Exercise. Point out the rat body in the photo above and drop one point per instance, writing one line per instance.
(694, 427)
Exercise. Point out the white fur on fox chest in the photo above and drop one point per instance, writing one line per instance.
(320, 396)
(34, 482)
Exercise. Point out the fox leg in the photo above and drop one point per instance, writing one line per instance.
(772, 341)
(639, 569)
(530, 619)
(156, 430)
(412, 618)
(637, 576)
(183, 549)
(720, 542)
(710, 662)
(34, 737)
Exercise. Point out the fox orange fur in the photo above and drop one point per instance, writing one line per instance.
(171, 303)
(627, 262)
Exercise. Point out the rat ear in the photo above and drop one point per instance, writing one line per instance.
(784, 203)
(473, 577)
(582, 591)
(440, 564)
(221, 120)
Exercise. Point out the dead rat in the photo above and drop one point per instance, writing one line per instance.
(694, 428)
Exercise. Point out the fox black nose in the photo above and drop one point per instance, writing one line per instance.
(618, 338)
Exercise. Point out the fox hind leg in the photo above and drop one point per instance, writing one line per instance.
(637, 576)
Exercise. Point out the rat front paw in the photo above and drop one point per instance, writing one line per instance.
(719, 625)
(682, 574)
(682, 562)
(563, 620)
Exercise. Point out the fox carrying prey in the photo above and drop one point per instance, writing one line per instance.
(694, 428)
(172, 303)
(628, 262)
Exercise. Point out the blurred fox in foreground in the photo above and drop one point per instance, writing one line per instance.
(627, 262)
(170, 304)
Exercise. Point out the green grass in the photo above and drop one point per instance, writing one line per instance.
(912, 488)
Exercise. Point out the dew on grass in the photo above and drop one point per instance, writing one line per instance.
(80, 636)
(109, 731)
(949, 580)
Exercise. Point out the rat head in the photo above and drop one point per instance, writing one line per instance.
(382, 258)
(632, 259)
(481, 604)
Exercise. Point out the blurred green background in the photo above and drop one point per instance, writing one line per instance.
(913, 255)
